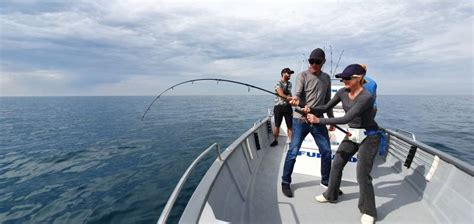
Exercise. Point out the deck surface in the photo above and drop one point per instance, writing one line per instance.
(396, 201)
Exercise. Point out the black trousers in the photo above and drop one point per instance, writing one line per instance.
(367, 150)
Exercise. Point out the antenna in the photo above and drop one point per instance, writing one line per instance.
(303, 62)
(330, 49)
(337, 65)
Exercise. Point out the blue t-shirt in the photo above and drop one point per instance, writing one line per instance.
(371, 86)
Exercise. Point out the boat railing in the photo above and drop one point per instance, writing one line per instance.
(402, 141)
(169, 205)
(407, 132)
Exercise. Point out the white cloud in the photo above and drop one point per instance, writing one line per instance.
(117, 44)
(453, 44)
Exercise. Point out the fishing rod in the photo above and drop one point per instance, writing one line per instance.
(219, 80)
(208, 79)
(337, 65)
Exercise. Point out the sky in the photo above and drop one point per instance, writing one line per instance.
(141, 47)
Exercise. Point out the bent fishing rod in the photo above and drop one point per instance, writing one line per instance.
(224, 80)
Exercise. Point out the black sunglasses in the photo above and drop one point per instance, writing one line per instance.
(315, 61)
(347, 78)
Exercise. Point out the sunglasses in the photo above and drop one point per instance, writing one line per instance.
(347, 78)
(315, 61)
(350, 77)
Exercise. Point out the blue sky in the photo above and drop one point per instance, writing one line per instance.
(141, 47)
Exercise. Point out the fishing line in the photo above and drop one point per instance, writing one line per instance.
(220, 80)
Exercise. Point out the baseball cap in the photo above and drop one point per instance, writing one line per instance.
(317, 53)
(351, 70)
(287, 70)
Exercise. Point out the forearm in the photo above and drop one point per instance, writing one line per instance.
(327, 108)
(330, 113)
(335, 120)
(282, 93)
(353, 112)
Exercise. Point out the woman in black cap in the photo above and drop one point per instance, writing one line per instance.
(364, 139)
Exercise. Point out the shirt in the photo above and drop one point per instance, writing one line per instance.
(371, 86)
(359, 111)
(313, 90)
(286, 86)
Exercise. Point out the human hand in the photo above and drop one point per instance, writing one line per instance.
(312, 119)
(306, 109)
(294, 101)
(332, 128)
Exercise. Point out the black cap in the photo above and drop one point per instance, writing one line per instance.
(287, 70)
(351, 70)
(317, 53)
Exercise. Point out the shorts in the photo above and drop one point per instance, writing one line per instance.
(281, 111)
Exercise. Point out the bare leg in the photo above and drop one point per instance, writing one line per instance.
(276, 132)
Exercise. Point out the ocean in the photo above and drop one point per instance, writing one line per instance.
(92, 159)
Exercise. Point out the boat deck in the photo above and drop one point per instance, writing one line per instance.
(396, 200)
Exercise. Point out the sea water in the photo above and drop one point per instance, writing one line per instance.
(92, 159)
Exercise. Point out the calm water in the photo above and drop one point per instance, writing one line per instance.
(91, 159)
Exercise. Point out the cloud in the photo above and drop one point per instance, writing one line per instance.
(113, 44)
(34, 83)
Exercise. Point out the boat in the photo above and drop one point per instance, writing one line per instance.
(413, 183)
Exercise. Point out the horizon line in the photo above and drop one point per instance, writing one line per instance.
(418, 94)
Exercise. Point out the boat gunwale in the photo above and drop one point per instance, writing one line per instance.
(208, 181)
(464, 166)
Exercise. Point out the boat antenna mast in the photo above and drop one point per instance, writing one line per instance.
(303, 62)
(330, 50)
(337, 65)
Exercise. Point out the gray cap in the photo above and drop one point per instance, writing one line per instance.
(317, 53)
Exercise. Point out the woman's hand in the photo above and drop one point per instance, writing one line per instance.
(332, 128)
(306, 109)
(312, 119)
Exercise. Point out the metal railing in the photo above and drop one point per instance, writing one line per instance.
(169, 205)
(407, 132)
(469, 169)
